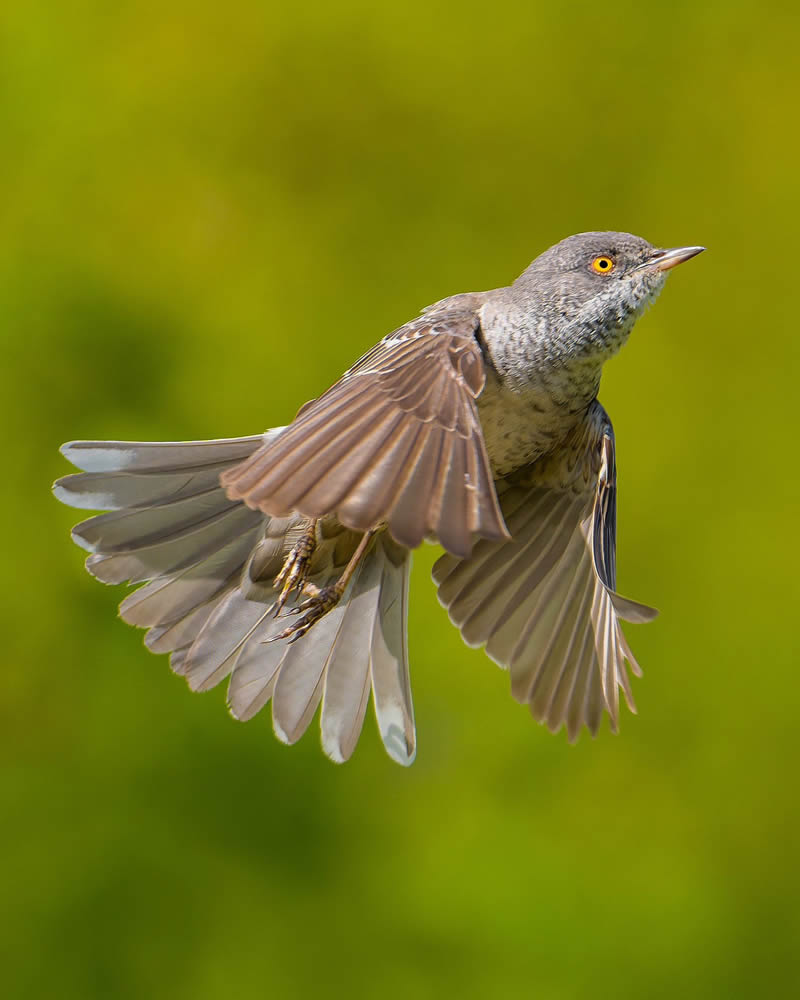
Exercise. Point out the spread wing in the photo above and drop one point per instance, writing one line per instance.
(544, 604)
(396, 440)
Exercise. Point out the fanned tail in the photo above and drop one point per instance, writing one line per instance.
(207, 564)
(358, 647)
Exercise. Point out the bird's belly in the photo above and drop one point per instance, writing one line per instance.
(519, 428)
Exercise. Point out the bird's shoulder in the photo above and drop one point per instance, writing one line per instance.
(464, 303)
(445, 334)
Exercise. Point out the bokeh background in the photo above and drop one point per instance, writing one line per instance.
(208, 212)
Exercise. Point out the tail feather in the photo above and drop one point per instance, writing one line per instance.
(181, 634)
(130, 490)
(391, 687)
(300, 683)
(253, 679)
(214, 652)
(207, 565)
(167, 456)
(139, 528)
(171, 598)
(347, 682)
(171, 555)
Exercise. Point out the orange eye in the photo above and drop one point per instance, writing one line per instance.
(602, 265)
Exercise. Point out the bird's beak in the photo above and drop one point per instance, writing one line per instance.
(665, 260)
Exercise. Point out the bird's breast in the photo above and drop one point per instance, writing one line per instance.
(521, 426)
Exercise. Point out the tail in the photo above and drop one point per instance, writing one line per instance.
(208, 562)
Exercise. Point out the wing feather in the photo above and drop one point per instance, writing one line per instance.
(411, 509)
(387, 476)
(452, 504)
(412, 395)
(348, 459)
(544, 604)
(538, 656)
(545, 688)
(275, 470)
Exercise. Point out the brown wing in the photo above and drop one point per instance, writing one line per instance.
(544, 604)
(396, 440)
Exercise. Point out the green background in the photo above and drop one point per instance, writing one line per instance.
(207, 212)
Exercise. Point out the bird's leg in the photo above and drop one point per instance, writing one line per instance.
(294, 572)
(322, 600)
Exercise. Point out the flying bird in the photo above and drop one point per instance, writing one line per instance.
(281, 561)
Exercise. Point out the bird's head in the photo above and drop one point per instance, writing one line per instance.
(592, 287)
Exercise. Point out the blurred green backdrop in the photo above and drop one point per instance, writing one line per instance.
(208, 212)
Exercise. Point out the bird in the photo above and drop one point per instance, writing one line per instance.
(281, 560)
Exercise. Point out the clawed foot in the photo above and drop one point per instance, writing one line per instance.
(320, 602)
(316, 607)
(294, 573)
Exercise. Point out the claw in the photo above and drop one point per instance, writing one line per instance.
(294, 571)
(319, 602)
(312, 610)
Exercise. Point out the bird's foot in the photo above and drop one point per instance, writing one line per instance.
(320, 601)
(317, 606)
(295, 569)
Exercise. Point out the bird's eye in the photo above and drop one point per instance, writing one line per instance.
(602, 265)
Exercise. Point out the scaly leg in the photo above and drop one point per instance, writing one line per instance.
(322, 601)
(294, 572)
